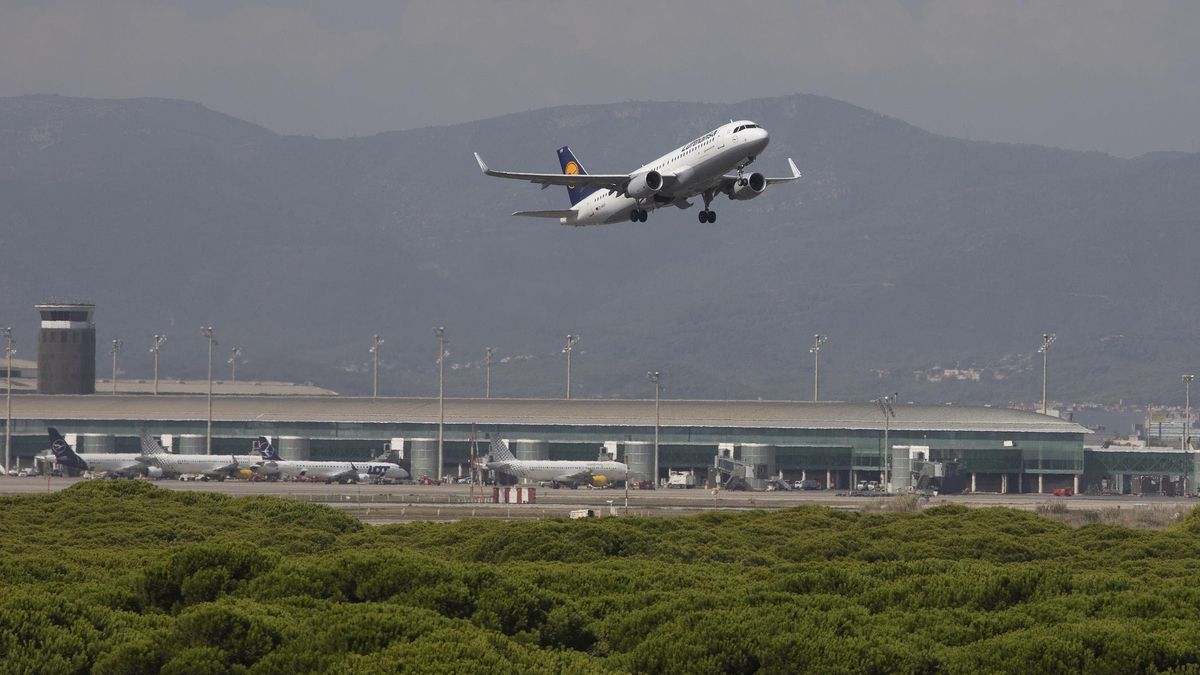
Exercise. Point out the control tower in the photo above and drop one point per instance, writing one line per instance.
(67, 349)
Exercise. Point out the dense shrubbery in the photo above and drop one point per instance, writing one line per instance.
(122, 577)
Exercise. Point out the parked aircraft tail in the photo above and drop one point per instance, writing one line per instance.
(263, 447)
(572, 167)
(63, 453)
(499, 452)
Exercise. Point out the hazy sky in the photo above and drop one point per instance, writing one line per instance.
(1121, 77)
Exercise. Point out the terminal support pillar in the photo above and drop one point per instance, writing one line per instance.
(1003, 483)
(828, 479)
(1041, 489)
(972, 482)
(803, 474)
(1076, 490)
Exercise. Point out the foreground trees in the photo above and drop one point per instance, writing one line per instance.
(116, 577)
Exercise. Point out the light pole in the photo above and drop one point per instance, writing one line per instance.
(1187, 410)
(818, 340)
(571, 340)
(10, 348)
(440, 332)
(655, 378)
(375, 342)
(116, 349)
(235, 355)
(207, 332)
(158, 341)
(1044, 350)
(487, 364)
(885, 407)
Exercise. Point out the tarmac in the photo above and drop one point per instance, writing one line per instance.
(390, 504)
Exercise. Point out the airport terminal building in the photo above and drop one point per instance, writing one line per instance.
(836, 444)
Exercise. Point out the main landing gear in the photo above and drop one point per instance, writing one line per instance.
(707, 215)
(638, 216)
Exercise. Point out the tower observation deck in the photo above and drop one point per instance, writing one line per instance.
(67, 349)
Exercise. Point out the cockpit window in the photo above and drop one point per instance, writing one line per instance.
(745, 126)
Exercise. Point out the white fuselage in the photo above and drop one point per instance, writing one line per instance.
(208, 465)
(317, 470)
(560, 470)
(117, 463)
(698, 165)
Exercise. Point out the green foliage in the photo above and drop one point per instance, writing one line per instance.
(140, 580)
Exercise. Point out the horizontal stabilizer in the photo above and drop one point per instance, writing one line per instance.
(559, 213)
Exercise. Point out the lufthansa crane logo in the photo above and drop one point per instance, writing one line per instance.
(571, 169)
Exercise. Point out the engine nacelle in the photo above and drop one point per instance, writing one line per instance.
(645, 185)
(153, 472)
(748, 187)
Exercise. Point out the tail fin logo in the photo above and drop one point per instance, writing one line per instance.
(571, 169)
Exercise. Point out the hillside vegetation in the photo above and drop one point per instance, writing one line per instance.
(129, 578)
(909, 249)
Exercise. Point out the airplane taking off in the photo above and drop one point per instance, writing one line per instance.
(558, 472)
(699, 168)
(116, 464)
(341, 472)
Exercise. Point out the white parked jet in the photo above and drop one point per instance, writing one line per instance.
(114, 464)
(217, 467)
(699, 168)
(557, 472)
(341, 472)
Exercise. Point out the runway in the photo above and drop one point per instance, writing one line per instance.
(386, 504)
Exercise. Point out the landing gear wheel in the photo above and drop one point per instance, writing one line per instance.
(643, 215)
(712, 216)
(703, 216)
(633, 215)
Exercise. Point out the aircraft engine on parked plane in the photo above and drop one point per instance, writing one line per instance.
(645, 185)
(154, 472)
(748, 187)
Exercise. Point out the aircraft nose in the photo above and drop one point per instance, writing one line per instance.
(759, 140)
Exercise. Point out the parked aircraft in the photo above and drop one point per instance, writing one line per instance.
(215, 467)
(330, 471)
(114, 464)
(698, 168)
(557, 472)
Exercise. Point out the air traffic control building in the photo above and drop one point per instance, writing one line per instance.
(992, 449)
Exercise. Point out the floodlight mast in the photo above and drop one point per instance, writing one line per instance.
(655, 378)
(440, 332)
(116, 349)
(815, 350)
(571, 341)
(154, 349)
(10, 348)
(376, 340)
(235, 355)
(487, 364)
(207, 333)
(1187, 411)
(1047, 340)
(885, 406)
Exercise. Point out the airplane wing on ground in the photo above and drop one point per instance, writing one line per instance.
(612, 181)
(338, 476)
(577, 477)
(225, 469)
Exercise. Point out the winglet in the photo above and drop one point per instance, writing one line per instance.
(795, 171)
(482, 164)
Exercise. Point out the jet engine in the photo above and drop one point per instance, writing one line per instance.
(645, 185)
(748, 187)
(154, 472)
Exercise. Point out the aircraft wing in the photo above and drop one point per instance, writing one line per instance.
(223, 469)
(560, 213)
(352, 472)
(727, 182)
(612, 181)
(577, 477)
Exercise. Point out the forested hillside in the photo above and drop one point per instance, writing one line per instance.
(911, 250)
(126, 577)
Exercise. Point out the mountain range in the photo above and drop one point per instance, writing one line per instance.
(934, 264)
